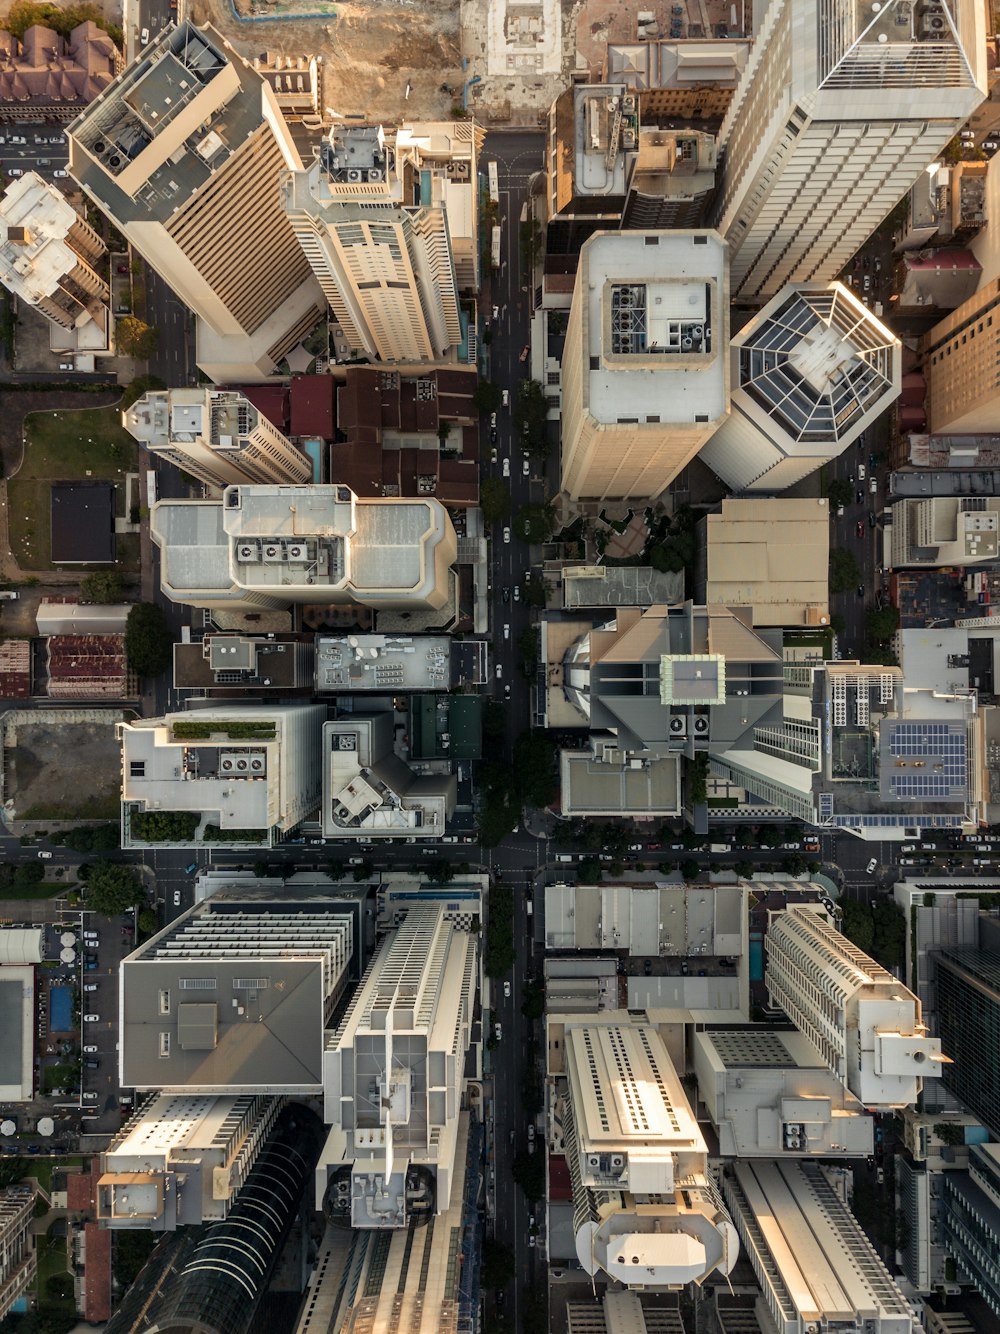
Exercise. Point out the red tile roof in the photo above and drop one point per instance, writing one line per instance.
(15, 669)
(271, 400)
(97, 1274)
(312, 406)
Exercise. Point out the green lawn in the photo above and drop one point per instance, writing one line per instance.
(66, 446)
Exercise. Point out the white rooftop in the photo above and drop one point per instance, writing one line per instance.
(32, 268)
(655, 325)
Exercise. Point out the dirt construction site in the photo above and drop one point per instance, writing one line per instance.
(370, 52)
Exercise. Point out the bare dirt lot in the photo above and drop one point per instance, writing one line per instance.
(63, 771)
(370, 52)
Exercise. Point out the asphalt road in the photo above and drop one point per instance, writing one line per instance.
(38, 153)
(854, 530)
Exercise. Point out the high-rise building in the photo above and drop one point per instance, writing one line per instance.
(235, 998)
(53, 260)
(250, 769)
(17, 1251)
(646, 1212)
(816, 1267)
(809, 373)
(269, 546)
(606, 168)
(214, 1278)
(182, 1161)
(652, 685)
(183, 153)
(864, 1023)
(971, 1219)
(961, 366)
(968, 1015)
(216, 435)
(646, 364)
(395, 1070)
(916, 753)
(839, 110)
(770, 1094)
(940, 531)
(369, 792)
(388, 222)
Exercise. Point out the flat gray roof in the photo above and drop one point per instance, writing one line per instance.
(218, 1031)
(11, 1032)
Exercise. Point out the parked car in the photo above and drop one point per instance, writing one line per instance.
(91, 1018)
(90, 986)
(499, 671)
(144, 37)
(90, 1050)
(526, 467)
(497, 1032)
(525, 352)
(870, 868)
(177, 898)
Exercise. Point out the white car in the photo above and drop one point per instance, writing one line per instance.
(90, 1097)
(45, 856)
(90, 1050)
(91, 1018)
(870, 868)
(499, 670)
(144, 37)
(506, 534)
(497, 1032)
(177, 898)
(517, 593)
(506, 990)
(526, 467)
(861, 472)
(505, 398)
(496, 312)
(506, 467)
(92, 935)
(60, 173)
(90, 986)
(506, 632)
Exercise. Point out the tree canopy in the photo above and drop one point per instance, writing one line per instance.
(102, 586)
(845, 571)
(494, 499)
(148, 641)
(135, 338)
(531, 411)
(112, 888)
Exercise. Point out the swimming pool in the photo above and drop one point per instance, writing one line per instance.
(756, 960)
(60, 1009)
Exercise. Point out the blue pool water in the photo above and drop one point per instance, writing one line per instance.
(756, 961)
(60, 1009)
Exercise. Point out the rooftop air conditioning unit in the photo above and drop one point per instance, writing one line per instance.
(296, 551)
(354, 175)
(247, 551)
(678, 727)
(375, 173)
(256, 764)
(226, 766)
(618, 1160)
(272, 552)
(594, 1161)
(701, 726)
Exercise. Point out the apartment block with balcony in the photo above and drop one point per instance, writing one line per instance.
(396, 1069)
(645, 365)
(182, 153)
(809, 373)
(248, 775)
(971, 1222)
(182, 1160)
(264, 546)
(215, 435)
(18, 1266)
(53, 260)
(865, 1024)
(388, 223)
(838, 112)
